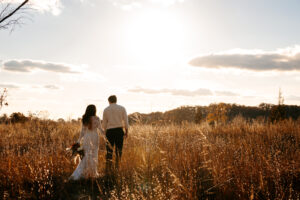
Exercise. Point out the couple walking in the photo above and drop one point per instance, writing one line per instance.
(114, 126)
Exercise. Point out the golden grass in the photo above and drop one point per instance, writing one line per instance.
(188, 161)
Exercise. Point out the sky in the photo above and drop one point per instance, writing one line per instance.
(155, 55)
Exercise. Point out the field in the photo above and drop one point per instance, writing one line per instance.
(238, 160)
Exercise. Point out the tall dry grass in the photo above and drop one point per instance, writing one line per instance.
(239, 160)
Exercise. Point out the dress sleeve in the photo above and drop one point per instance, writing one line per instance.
(99, 126)
(81, 134)
(104, 119)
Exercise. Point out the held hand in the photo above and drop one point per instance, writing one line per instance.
(126, 133)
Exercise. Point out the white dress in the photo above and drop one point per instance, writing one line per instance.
(89, 139)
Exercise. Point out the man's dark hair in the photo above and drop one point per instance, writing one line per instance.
(112, 99)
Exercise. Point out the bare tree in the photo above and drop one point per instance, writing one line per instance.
(280, 97)
(11, 14)
(3, 98)
(278, 112)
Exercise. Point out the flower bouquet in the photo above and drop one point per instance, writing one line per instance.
(76, 150)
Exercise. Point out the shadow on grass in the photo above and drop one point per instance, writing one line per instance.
(91, 189)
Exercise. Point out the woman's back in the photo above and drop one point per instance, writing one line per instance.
(93, 125)
(90, 135)
(89, 139)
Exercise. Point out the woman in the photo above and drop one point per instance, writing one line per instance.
(89, 139)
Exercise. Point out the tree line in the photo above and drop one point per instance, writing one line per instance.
(219, 113)
(213, 114)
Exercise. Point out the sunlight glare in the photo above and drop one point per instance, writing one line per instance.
(155, 37)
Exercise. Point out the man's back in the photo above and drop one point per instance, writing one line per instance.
(115, 116)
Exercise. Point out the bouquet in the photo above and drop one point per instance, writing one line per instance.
(76, 150)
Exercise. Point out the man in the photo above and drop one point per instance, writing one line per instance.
(114, 120)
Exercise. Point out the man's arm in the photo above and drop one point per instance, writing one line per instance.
(125, 119)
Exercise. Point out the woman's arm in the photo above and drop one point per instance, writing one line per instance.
(104, 120)
(99, 126)
(81, 134)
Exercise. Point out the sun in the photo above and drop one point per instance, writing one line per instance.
(155, 37)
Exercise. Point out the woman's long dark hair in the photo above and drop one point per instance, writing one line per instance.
(86, 118)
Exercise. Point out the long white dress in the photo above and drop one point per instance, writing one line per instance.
(89, 139)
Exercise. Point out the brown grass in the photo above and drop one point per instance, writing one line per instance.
(233, 161)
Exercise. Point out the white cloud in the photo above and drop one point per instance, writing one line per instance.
(293, 98)
(9, 85)
(53, 6)
(176, 92)
(166, 2)
(287, 59)
(225, 93)
(42, 88)
(66, 72)
(52, 87)
(131, 4)
(27, 87)
(25, 66)
(84, 77)
(126, 4)
(183, 92)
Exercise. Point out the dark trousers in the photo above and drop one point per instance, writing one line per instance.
(115, 137)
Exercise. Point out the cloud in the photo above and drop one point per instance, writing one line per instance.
(33, 65)
(131, 4)
(84, 77)
(52, 87)
(176, 92)
(182, 92)
(225, 93)
(9, 85)
(55, 6)
(52, 6)
(126, 4)
(26, 86)
(256, 60)
(293, 98)
(166, 2)
(66, 72)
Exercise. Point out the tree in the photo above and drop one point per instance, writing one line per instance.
(278, 112)
(18, 117)
(11, 15)
(280, 97)
(4, 119)
(198, 115)
(3, 98)
(265, 106)
(218, 113)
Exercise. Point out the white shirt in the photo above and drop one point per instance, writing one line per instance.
(115, 116)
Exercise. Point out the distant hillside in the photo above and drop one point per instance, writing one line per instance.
(222, 111)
